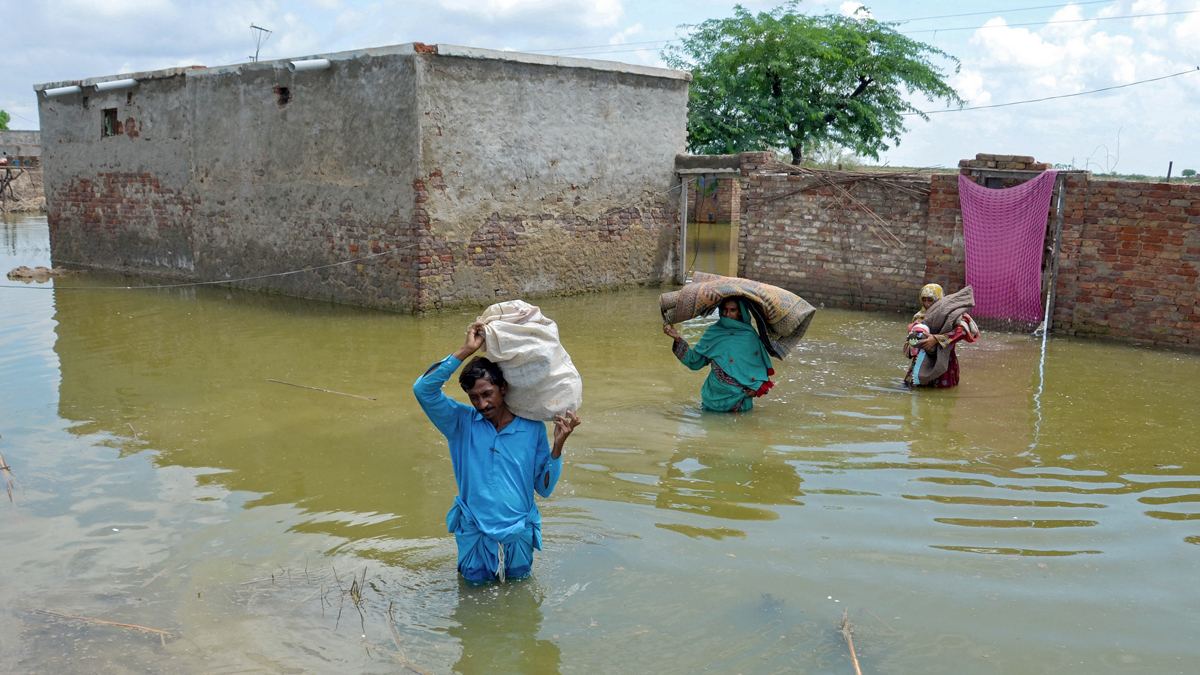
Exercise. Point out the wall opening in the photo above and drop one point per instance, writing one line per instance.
(282, 96)
(110, 125)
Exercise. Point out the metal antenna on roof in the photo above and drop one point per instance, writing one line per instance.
(261, 35)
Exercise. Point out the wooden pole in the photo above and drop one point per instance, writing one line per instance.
(1058, 228)
(683, 212)
(849, 640)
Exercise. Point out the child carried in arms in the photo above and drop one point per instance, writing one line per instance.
(935, 330)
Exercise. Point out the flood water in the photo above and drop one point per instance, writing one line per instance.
(272, 529)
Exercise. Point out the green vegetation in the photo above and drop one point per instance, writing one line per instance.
(1188, 173)
(4, 120)
(785, 80)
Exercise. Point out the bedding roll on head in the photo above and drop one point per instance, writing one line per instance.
(542, 380)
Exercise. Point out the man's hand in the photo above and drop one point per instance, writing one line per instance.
(563, 426)
(669, 329)
(473, 343)
(928, 343)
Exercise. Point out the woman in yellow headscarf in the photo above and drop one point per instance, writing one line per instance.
(930, 349)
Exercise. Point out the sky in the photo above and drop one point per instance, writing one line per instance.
(1007, 50)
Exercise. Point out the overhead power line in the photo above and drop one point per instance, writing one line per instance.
(1015, 9)
(1051, 98)
(622, 48)
(1049, 23)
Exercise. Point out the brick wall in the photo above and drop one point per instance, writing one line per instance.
(945, 254)
(130, 218)
(1129, 261)
(719, 200)
(1129, 264)
(827, 246)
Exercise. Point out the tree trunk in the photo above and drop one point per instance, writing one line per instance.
(796, 154)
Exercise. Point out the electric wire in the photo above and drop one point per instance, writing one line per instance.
(1051, 98)
(1015, 9)
(609, 48)
(1048, 23)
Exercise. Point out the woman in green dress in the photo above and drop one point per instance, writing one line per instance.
(741, 368)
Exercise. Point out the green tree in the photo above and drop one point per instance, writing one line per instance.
(782, 79)
(4, 118)
(1188, 173)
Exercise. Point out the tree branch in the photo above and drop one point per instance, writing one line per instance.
(864, 81)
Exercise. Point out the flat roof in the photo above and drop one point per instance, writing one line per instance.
(392, 50)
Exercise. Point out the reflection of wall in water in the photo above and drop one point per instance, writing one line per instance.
(188, 369)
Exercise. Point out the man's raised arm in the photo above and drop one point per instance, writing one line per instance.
(441, 410)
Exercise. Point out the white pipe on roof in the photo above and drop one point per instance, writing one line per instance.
(116, 84)
(62, 91)
(308, 64)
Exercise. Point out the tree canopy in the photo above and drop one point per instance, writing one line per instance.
(4, 119)
(782, 79)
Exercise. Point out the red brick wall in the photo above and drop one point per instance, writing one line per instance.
(1129, 264)
(130, 218)
(1128, 267)
(721, 201)
(945, 254)
(830, 250)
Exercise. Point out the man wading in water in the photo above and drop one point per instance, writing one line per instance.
(499, 460)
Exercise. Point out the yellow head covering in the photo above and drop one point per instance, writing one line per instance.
(932, 291)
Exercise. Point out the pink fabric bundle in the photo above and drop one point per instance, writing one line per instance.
(1003, 232)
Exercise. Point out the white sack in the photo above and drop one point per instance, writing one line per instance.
(542, 381)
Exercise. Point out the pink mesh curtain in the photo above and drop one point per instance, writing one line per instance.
(1004, 231)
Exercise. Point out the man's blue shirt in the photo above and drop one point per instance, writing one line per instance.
(497, 473)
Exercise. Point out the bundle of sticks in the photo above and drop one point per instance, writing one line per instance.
(839, 183)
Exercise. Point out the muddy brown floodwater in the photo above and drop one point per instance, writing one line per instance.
(272, 529)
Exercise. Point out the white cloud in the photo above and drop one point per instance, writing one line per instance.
(592, 13)
(850, 8)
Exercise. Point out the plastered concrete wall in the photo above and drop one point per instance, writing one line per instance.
(465, 175)
(20, 143)
(304, 169)
(542, 177)
(120, 201)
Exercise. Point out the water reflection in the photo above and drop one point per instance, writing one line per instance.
(498, 628)
(165, 475)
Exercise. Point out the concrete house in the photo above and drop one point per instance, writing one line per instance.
(450, 175)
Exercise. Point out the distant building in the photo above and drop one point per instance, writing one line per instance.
(461, 175)
(21, 148)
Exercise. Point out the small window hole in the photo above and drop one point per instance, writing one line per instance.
(129, 98)
(282, 96)
(110, 125)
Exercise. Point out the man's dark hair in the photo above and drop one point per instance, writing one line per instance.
(480, 368)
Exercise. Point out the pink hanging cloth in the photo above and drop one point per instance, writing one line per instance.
(1003, 231)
